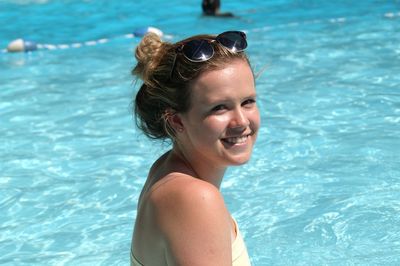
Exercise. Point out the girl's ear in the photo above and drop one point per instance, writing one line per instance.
(174, 121)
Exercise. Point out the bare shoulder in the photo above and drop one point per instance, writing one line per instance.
(193, 219)
(183, 191)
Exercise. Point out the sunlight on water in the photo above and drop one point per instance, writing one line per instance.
(323, 185)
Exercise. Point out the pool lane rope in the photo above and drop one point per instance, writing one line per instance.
(21, 45)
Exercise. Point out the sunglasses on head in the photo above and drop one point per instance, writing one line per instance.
(200, 50)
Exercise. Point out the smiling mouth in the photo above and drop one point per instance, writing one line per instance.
(236, 140)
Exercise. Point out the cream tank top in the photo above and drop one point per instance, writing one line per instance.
(240, 257)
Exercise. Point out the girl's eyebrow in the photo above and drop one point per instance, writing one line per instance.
(225, 100)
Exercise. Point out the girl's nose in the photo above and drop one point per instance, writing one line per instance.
(239, 119)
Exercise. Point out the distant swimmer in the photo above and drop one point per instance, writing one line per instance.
(212, 8)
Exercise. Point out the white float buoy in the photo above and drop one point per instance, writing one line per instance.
(140, 32)
(20, 45)
(155, 30)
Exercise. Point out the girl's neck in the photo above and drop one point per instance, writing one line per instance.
(204, 170)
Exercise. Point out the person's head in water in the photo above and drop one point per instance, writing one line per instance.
(212, 8)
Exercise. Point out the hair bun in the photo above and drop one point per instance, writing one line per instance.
(148, 55)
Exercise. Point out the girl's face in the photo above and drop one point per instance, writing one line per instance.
(222, 123)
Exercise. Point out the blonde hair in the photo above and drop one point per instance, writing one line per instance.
(167, 76)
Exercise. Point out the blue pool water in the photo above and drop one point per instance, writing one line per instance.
(323, 185)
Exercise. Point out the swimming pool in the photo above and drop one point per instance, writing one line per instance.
(323, 185)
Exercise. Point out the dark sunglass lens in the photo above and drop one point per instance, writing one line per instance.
(198, 50)
(233, 40)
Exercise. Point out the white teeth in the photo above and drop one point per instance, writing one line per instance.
(236, 140)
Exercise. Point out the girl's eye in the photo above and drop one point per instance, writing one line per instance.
(217, 108)
(248, 102)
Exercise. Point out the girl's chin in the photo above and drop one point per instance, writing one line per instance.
(239, 159)
(240, 154)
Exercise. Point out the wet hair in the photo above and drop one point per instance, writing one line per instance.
(210, 7)
(167, 76)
